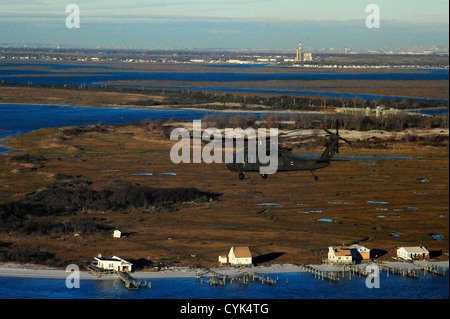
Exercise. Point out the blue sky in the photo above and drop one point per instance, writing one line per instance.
(226, 23)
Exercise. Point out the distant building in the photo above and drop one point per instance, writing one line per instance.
(233, 61)
(114, 263)
(307, 57)
(298, 56)
(413, 253)
(340, 255)
(240, 256)
(117, 233)
(223, 259)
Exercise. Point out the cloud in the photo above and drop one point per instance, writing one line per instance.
(430, 11)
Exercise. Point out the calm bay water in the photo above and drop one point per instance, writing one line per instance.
(299, 286)
(15, 72)
(16, 119)
(19, 119)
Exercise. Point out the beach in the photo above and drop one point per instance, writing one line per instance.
(43, 272)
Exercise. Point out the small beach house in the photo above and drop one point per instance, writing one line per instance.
(240, 256)
(413, 253)
(223, 259)
(117, 233)
(359, 252)
(114, 263)
(339, 255)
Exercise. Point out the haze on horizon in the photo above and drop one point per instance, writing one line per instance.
(271, 24)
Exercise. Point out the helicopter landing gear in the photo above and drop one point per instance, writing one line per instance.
(264, 176)
(241, 176)
(316, 178)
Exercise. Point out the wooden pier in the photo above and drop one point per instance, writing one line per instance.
(409, 272)
(215, 279)
(356, 271)
(99, 271)
(128, 280)
(435, 270)
(320, 274)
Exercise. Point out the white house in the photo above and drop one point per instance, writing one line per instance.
(223, 259)
(240, 256)
(117, 233)
(114, 263)
(339, 255)
(413, 253)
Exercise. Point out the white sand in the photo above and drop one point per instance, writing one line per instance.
(36, 271)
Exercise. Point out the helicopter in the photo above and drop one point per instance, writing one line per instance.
(289, 161)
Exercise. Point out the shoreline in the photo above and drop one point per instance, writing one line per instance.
(203, 108)
(182, 108)
(31, 271)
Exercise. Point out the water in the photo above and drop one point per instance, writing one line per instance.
(365, 163)
(299, 286)
(16, 119)
(357, 157)
(339, 203)
(270, 204)
(374, 202)
(440, 111)
(327, 220)
(99, 75)
(19, 119)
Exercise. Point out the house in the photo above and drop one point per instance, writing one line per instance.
(223, 259)
(117, 233)
(413, 253)
(359, 252)
(240, 256)
(114, 263)
(339, 255)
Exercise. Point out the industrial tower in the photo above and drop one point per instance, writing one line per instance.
(299, 53)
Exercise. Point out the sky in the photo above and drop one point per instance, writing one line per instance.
(271, 24)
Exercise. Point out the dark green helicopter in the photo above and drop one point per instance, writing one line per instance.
(288, 161)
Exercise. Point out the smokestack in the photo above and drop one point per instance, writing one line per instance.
(300, 52)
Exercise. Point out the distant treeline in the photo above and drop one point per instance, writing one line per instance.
(35, 214)
(290, 102)
(392, 122)
(275, 102)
